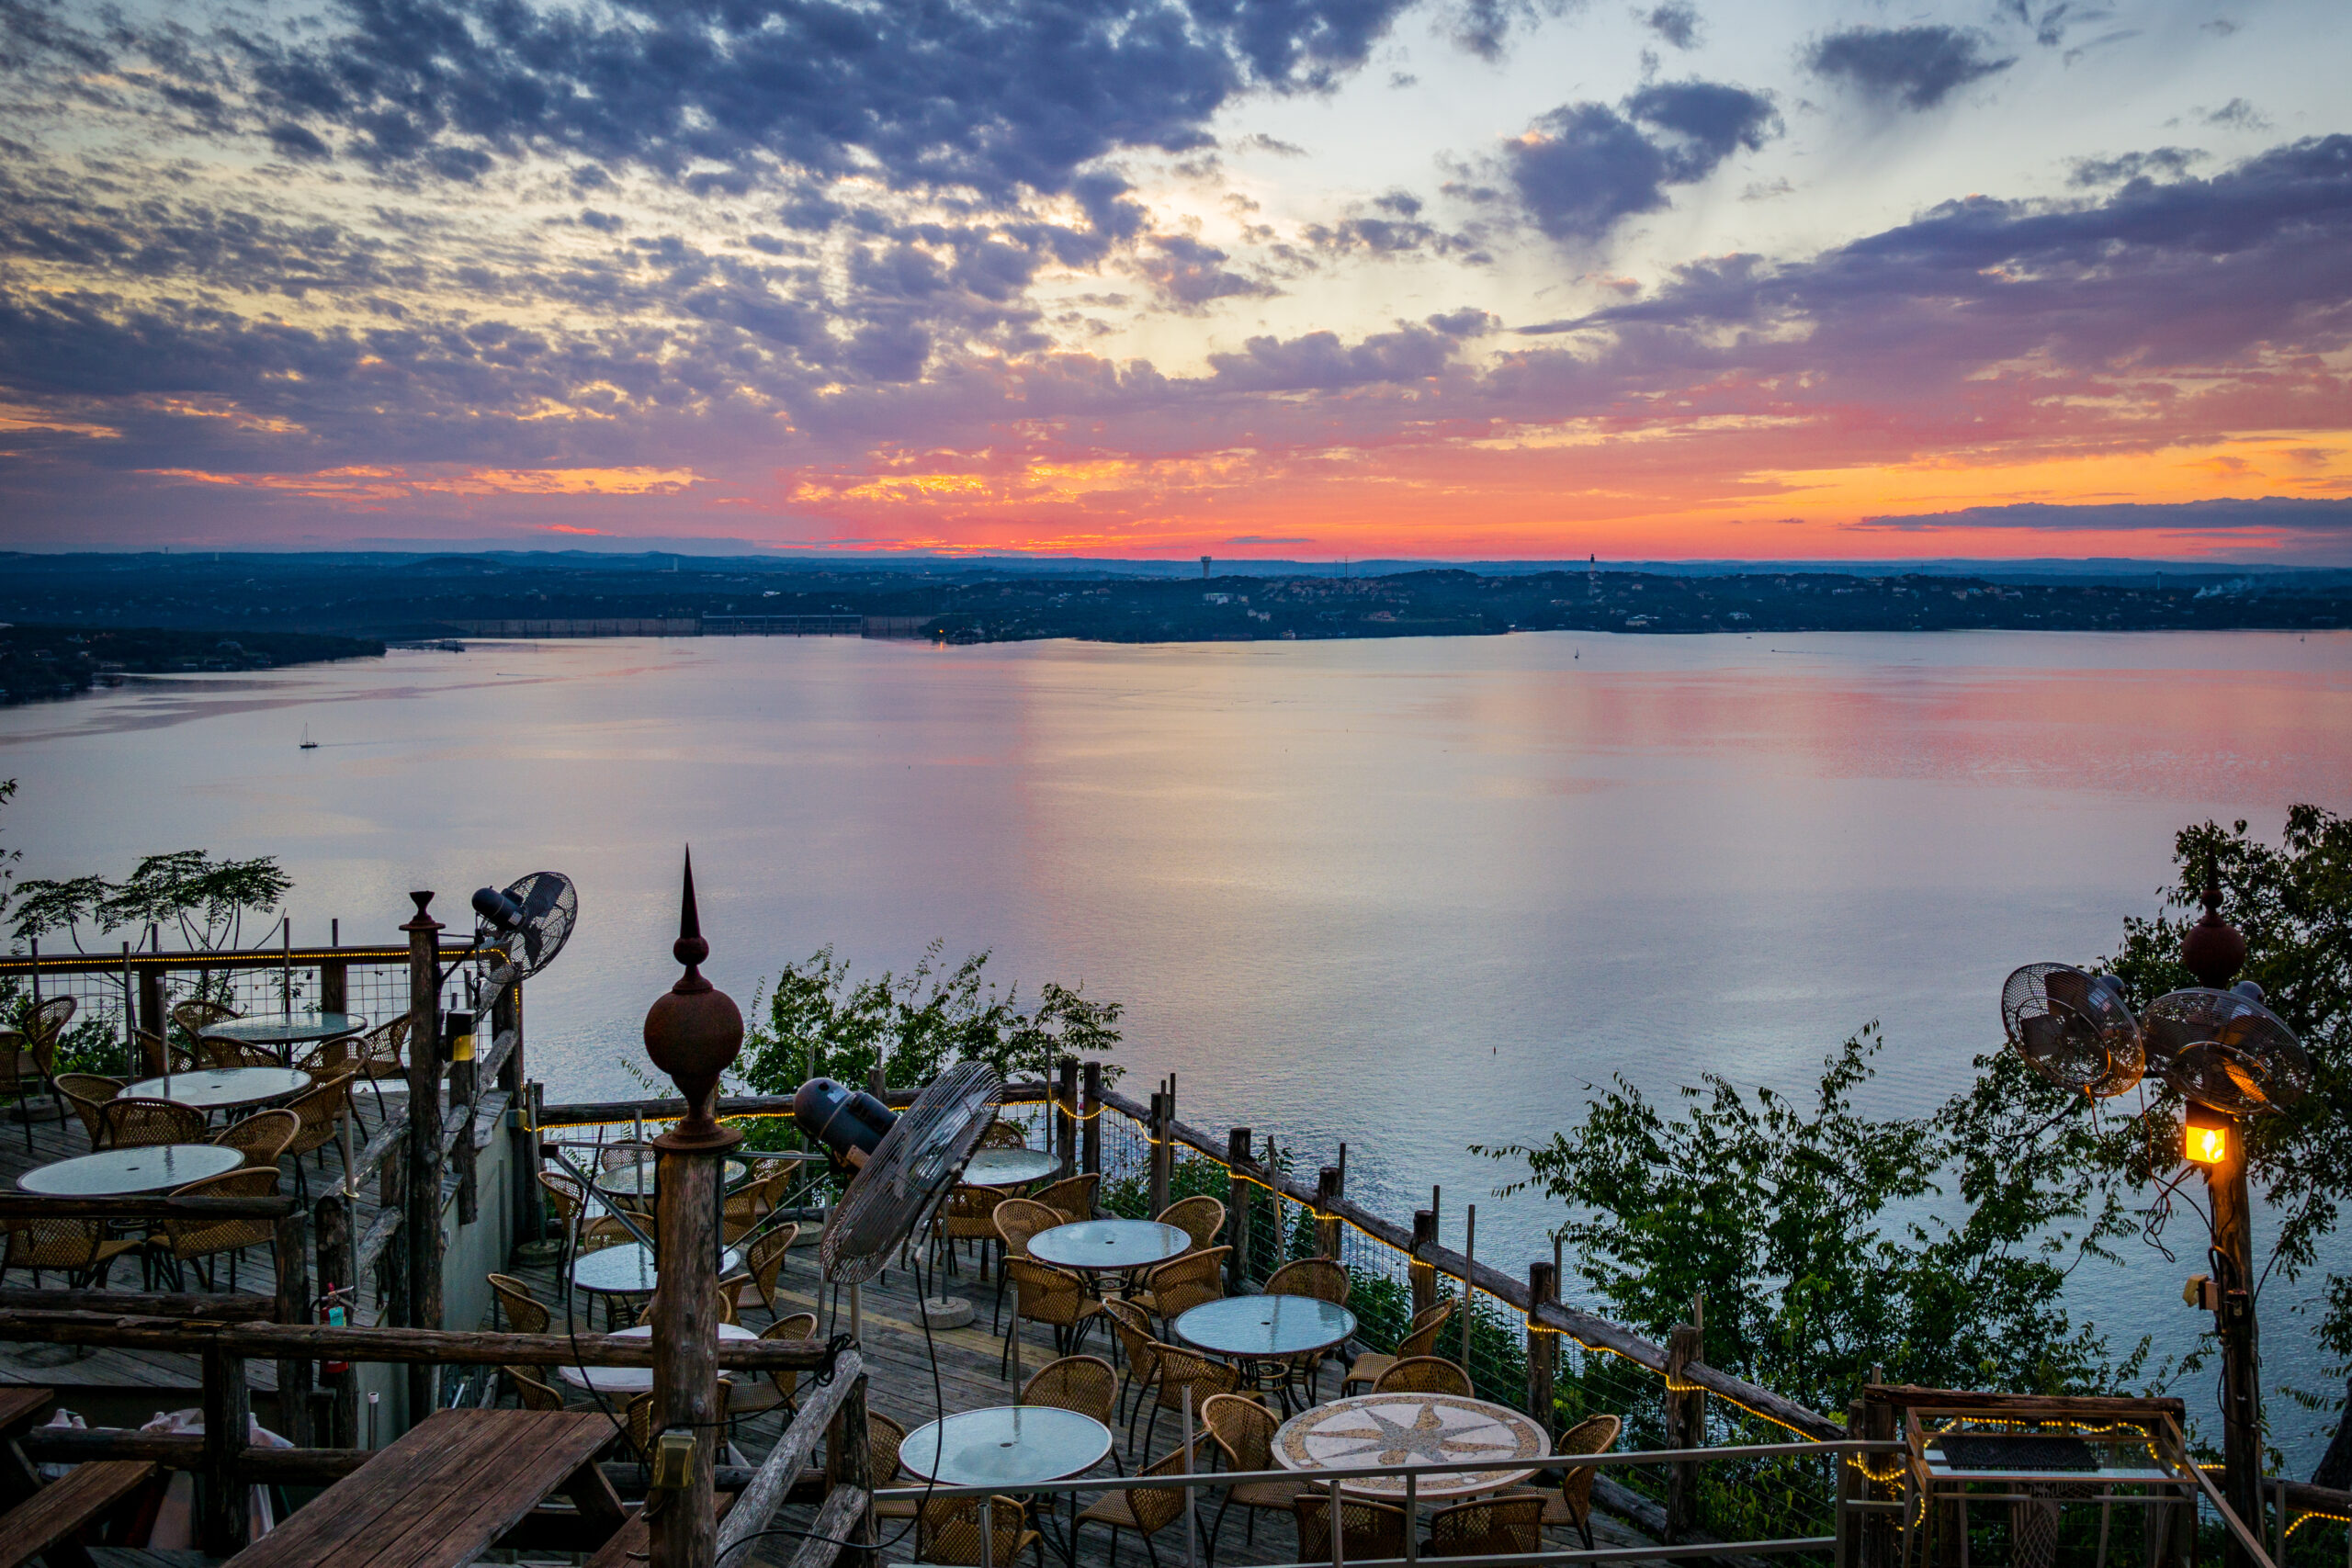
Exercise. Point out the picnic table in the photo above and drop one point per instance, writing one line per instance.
(446, 1489)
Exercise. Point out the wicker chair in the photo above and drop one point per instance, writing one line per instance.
(637, 1419)
(1054, 1297)
(1419, 1339)
(22, 1074)
(884, 1438)
(968, 1215)
(261, 1137)
(798, 1326)
(44, 1028)
(194, 1017)
(199, 1241)
(1088, 1384)
(722, 1296)
(321, 1109)
(217, 1053)
(328, 1058)
(125, 1123)
(1005, 1136)
(765, 1258)
(743, 1210)
(1072, 1198)
(1368, 1530)
(1202, 1218)
(158, 1056)
(1016, 1220)
(1317, 1277)
(1571, 1503)
(533, 1394)
(1492, 1526)
(1177, 1370)
(1423, 1374)
(88, 1094)
(525, 1313)
(949, 1532)
(1176, 1288)
(378, 1054)
(1145, 1512)
(1244, 1430)
(1132, 1328)
(80, 1249)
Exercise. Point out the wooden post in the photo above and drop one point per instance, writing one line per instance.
(1880, 1533)
(1236, 1204)
(421, 1210)
(227, 1415)
(685, 1327)
(391, 1278)
(1328, 1184)
(464, 1086)
(1542, 1346)
(292, 1246)
(1163, 1151)
(2234, 1326)
(506, 1018)
(1089, 1110)
(849, 1444)
(332, 1221)
(530, 1214)
(1423, 1276)
(1686, 1427)
(1065, 1114)
(334, 985)
(150, 1000)
(1846, 1488)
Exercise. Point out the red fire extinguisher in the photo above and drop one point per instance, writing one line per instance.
(331, 1313)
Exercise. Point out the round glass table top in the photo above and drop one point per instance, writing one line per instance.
(212, 1089)
(1009, 1168)
(628, 1270)
(1410, 1430)
(1109, 1244)
(286, 1028)
(637, 1180)
(637, 1379)
(1265, 1327)
(115, 1173)
(1009, 1445)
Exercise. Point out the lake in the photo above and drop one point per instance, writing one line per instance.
(1407, 894)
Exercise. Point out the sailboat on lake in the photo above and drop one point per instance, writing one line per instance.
(308, 744)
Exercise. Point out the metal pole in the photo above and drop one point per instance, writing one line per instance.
(130, 1031)
(1191, 1545)
(1412, 1516)
(2240, 1355)
(286, 978)
(1338, 1550)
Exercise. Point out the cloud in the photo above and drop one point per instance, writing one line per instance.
(1321, 362)
(1583, 167)
(2238, 115)
(1484, 26)
(1915, 67)
(1192, 274)
(2169, 162)
(1676, 21)
(1269, 540)
(2266, 515)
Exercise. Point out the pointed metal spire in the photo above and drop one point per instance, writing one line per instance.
(694, 1030)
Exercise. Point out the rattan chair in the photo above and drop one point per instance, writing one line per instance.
(377, 1055)
(884, 1438)
(1202, 1218)
(1072, 1198)
(1367, 1529)
(969, 1215)
(1177, 1370)
(1423, 1374)
(1131, 1326)
(1176, 1288)
(637, 1419)
(88, 1094)
(1243, 1431)
(217, 1053)
(1491, 1527)
(1570, 1503)
(524, 1311)
(328, 1058)
(1088, 1384)
(765, 1257)
(949, 1532)
(1004, 1135)
(321, 1109)
(80, 1249)
(1054, 1297)
(533, 1394)
(200, 1241)
(743, 1210)
(1419, 1339)
(1016, 1220)
(22, 1074)
(798, 1326)
(44, 1028)
(128, 1123)
(261, 1137)
(158, 1056)
(1145, 1512)
(194, 1017)
(1317, 1277)
(722, 1295)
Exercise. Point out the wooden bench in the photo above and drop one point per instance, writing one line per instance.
(45, 1523)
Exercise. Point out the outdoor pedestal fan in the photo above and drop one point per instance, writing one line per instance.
(2226, 1050)
(527, 925)
(2073, 1029)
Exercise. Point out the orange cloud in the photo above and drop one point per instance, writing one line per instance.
(379, 485)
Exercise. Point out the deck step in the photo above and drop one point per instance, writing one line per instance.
(54, 1513)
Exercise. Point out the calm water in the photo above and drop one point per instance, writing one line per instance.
(1408, 894)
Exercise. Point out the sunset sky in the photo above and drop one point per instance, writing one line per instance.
(1301, 278)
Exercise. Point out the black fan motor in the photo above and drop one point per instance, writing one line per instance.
(848, 1124)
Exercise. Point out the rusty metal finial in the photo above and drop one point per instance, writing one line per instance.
(693, 1033)
(2213, 949)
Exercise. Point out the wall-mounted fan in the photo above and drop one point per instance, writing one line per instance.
(2226, 1050)
(527, 925)
(2074, 1028)
(908, 1172)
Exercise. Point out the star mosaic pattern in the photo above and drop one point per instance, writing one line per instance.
(1412, 1429)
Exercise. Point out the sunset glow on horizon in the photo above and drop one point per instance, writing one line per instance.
(1311, 280)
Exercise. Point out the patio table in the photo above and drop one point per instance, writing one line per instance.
(122, 1173)
(1011, 1446)
(1103, 1246)
(223, 1088)
(1408, 1430)
(1255, 1331)
(283, 1032)
(637, 1180)
(1009, 1168)
(637, 1379)
(628, 1270)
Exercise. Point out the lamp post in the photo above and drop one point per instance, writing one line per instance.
(693, 1032)
(2212, 951)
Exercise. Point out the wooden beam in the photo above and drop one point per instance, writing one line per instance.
(1910, 1396)
(844, 1507)
(141, 1304)
(766, 1490)
(22, 1206)
(613, 1112)
(422, 1345)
